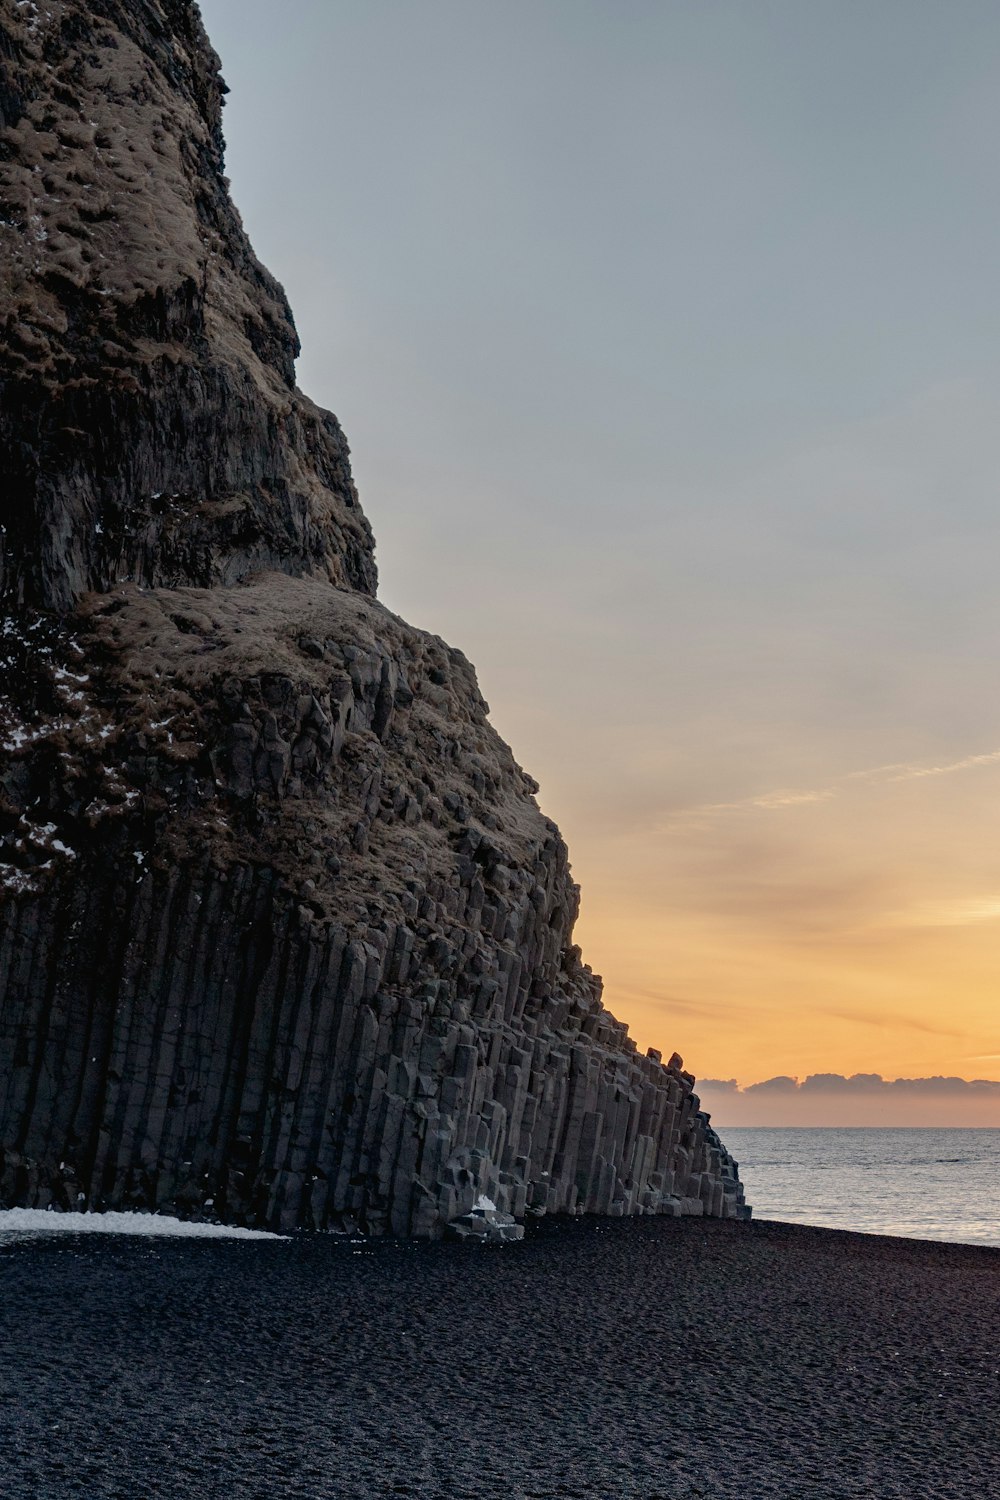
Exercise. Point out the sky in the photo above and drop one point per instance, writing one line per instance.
(665, 337)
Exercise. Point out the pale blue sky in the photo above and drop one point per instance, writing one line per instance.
(665, 337)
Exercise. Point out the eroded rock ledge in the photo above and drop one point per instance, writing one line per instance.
(285, 938)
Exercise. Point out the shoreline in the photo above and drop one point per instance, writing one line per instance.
(650, 1359)
(929, 1184)
(36, 1226)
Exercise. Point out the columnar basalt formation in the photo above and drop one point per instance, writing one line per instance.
(284, 938)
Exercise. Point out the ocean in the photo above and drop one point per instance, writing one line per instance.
(923, 1184)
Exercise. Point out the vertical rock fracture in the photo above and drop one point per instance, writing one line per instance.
(284, 937)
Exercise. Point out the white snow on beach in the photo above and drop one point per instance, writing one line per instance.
(29, 1223)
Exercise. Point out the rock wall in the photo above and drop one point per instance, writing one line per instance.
(150, 427)
(263, 1068)
(284, 937)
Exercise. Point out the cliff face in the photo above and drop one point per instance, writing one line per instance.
(151, 430)
(284, 936)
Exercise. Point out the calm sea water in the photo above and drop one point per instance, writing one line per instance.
(925, 1184)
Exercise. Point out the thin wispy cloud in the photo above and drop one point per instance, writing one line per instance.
(967, 912)
(782, 798)
(793, 799)
(907, 771)
(675, 1005)
(897, 1022)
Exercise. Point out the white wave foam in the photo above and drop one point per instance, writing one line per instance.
(28, 1223)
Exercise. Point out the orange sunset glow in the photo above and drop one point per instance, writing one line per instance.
(848, 926)
(860, 932)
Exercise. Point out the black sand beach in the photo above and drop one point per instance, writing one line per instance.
(651, 1359)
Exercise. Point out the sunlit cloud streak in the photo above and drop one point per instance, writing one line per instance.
(786, 797)
(905, 772)
(899, 1022)
(968, 912)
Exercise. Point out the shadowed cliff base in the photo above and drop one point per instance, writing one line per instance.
(649, 1360)
(285, 938)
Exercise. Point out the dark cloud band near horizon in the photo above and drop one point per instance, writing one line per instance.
(938, 1101)
(865, 1084)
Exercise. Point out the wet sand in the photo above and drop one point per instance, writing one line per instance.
(653, 1360)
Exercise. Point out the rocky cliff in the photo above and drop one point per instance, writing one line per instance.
(284, 937)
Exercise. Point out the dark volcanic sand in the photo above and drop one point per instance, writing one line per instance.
(651, 1359)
